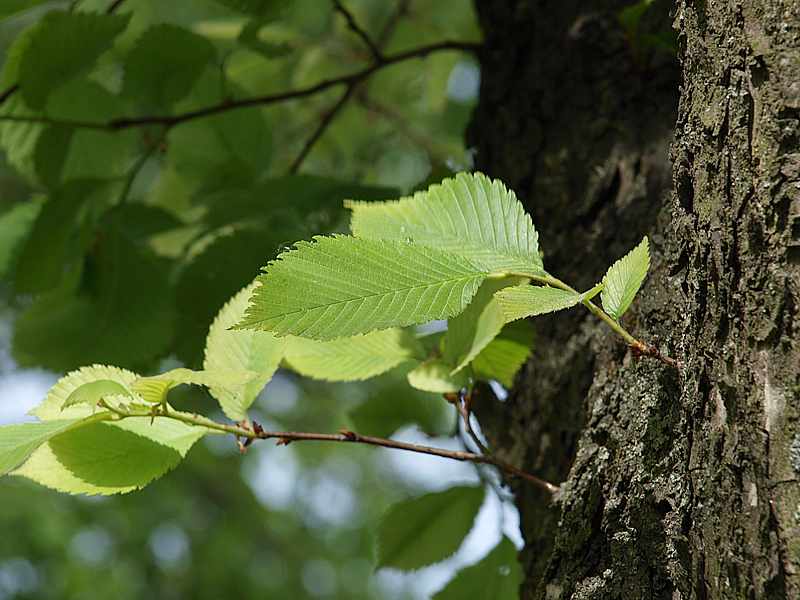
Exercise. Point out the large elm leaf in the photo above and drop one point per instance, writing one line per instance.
(228, 349)
(339, 286)
(60, 47)
(164, 65)
(470, 214)
(470, 332)
(425, 530)
(111, 458)
(352, 358)
(497, 576)
(624, 278)
(523, 301)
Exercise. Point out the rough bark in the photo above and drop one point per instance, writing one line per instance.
(676, 485)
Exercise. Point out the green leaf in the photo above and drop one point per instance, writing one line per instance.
(624, 278)
(92, 393)
(164, 65)
(352, 358)
(223, 150)
(52, 407)
(154, 389)
(437, 376)
(64, 153)
(228, 349)
(505, 355)
(58, 237)
(15, 226)
(263, 9)
(391, 404)
(111, 458)
(249, 38)
(498, 576)
(527, 300)
(339, 286)
(470, 215)
(121, 311)
(11, 7)
(427, 529)
(60, 47)
(18, 442)
(470, 332)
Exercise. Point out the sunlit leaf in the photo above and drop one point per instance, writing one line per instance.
(624, 278)
(504, 356)
(339, 286)
(470, 214)
(437, 376)
(527, 300)
(17, 442)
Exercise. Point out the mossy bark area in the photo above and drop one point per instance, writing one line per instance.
(677, 485)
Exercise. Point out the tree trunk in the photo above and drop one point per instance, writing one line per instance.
(676, 484)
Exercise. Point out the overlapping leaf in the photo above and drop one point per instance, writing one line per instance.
(154, 389)
(339, 286)
(111, 458)
(18, 442)
(437, 376)
(502, 358)
(164, 64)
(624, 278)
(425, 530)
(527, 300)
(227, 349)
(352, 358)
(470, 214)
(470, 332)
(61, 46)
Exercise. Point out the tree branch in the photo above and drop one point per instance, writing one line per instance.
(265, 100)
(377, 55)
(255, 432)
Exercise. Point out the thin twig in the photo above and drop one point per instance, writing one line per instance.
(324, 122)
(172, 120)
(114, 6)
(377, 55)
(344, 436)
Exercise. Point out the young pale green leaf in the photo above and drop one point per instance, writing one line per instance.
(154, 389)
(527, 300)
(227, 349)
(111, 458)
(352, 358)
(17, 442)
(427, 529)
(91, 393)
(164, 65)
(437, 376)
(470, 332)
(61, 46)
(51, 407)
(624, 278)
(470, 214)
(497, 576)
(341, 286)
(504, 356)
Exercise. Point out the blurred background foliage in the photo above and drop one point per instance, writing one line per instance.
(120, 247)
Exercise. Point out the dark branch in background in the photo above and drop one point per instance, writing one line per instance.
(10, 91)
(326, 120)
(377, 55)
(172, 120)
